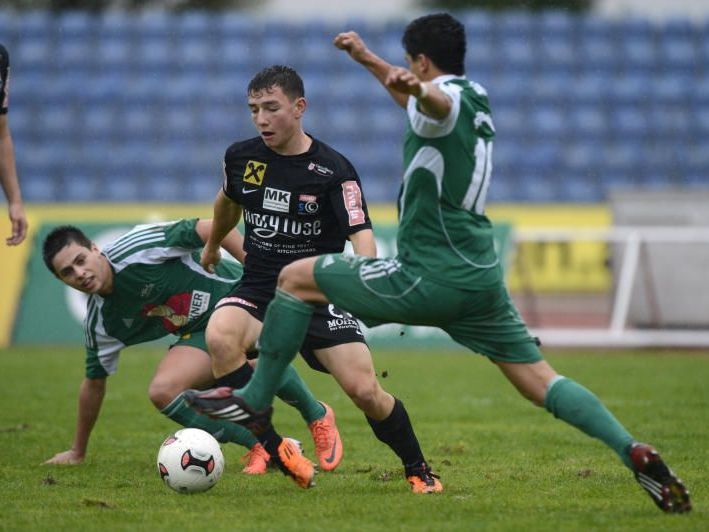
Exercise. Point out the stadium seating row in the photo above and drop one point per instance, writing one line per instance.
(126, 106)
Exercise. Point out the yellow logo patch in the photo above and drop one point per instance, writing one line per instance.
(254, 172)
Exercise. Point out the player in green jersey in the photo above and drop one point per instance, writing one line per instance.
(143, 286)
(446, 273)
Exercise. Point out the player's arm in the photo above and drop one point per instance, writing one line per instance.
(431, 100)
(10, 185)
(353, 44)
(91, 394)
(226, 215)
(363, 243)
(233, 242)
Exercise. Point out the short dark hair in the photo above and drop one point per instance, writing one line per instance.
(281, 76)
(441, 38)
(58, 239)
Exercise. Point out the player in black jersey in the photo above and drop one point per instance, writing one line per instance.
(299, 198)
(8, 172)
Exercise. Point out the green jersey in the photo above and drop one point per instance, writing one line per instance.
(443, 231)
(159, 288)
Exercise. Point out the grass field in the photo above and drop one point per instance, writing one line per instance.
(505, 464)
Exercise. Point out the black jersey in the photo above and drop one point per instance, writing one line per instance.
(4, 77)
(293, 206)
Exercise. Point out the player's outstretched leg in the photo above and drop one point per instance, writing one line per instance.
(665, 489)
(328, 446)
(221, 403)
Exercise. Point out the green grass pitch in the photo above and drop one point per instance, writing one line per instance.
(505, 464)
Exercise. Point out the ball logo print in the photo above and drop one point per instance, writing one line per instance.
(190, 461)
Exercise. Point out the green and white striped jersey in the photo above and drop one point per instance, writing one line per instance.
(159, 288)
(443, 231)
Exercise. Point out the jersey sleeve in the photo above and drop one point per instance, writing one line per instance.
(429, 127)
(231, 177)
(102, 350)
(4, 79)
(349, 203)
(154, 243)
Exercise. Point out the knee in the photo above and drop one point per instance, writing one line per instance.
(289, 279)
(222, 345)
(365, 393)
(161, 393)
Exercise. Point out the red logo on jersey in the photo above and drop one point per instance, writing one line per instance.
(352, 196)
(174, 312)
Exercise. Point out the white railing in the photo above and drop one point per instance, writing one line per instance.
(618, 334)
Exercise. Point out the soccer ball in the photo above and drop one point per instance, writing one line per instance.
(190, 461)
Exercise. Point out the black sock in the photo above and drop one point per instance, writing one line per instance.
(396, 431)
(237, 378)
(270, 441)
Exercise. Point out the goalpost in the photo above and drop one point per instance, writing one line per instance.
(653, 260)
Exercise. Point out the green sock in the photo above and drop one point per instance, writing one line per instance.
(284, 329)
(297, 394)
(579, 407)
(223, 431)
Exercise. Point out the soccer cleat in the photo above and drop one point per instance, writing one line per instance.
(221, 403)
(328, 446)
(291, 461)
(665, 489)
(422, 480)
(256, 460)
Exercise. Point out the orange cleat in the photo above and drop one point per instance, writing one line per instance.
(328, 445)
(291, 462)
(422, 480)
(256, 460)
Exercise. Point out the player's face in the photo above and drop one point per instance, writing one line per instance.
(416, 66)
(276, 117)
(83, 268)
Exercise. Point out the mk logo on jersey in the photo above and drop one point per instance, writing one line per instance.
(254, 172)
(276, 200)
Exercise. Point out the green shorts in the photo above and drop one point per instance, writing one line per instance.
(193, 339)
(379, 291)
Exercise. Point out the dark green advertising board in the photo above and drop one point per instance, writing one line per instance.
(52, 313)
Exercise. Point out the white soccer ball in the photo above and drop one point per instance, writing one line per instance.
(190, 461)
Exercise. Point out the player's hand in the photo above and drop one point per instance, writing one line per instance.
(70, 457)
(353, 44)
(210, 258)
(402, 80)
(19, 224)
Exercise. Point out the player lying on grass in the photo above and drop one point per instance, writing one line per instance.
(446, 273)
(146, 285)
(300, 198)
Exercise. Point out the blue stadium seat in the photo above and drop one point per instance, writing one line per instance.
(155, 24)
(671, 89)
(587, 122)
(556, 23)
(581, 187)
(75, 25)
(517, 23)
(113, 54)
(630, 121)
(80, 187)
(629, 89)
(39, 187)
(516, 53)
(115, 24)
(678, 56)
(195, 24)
(597, 56)
(33, 24)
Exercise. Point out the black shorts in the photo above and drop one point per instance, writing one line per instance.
(329, 325)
